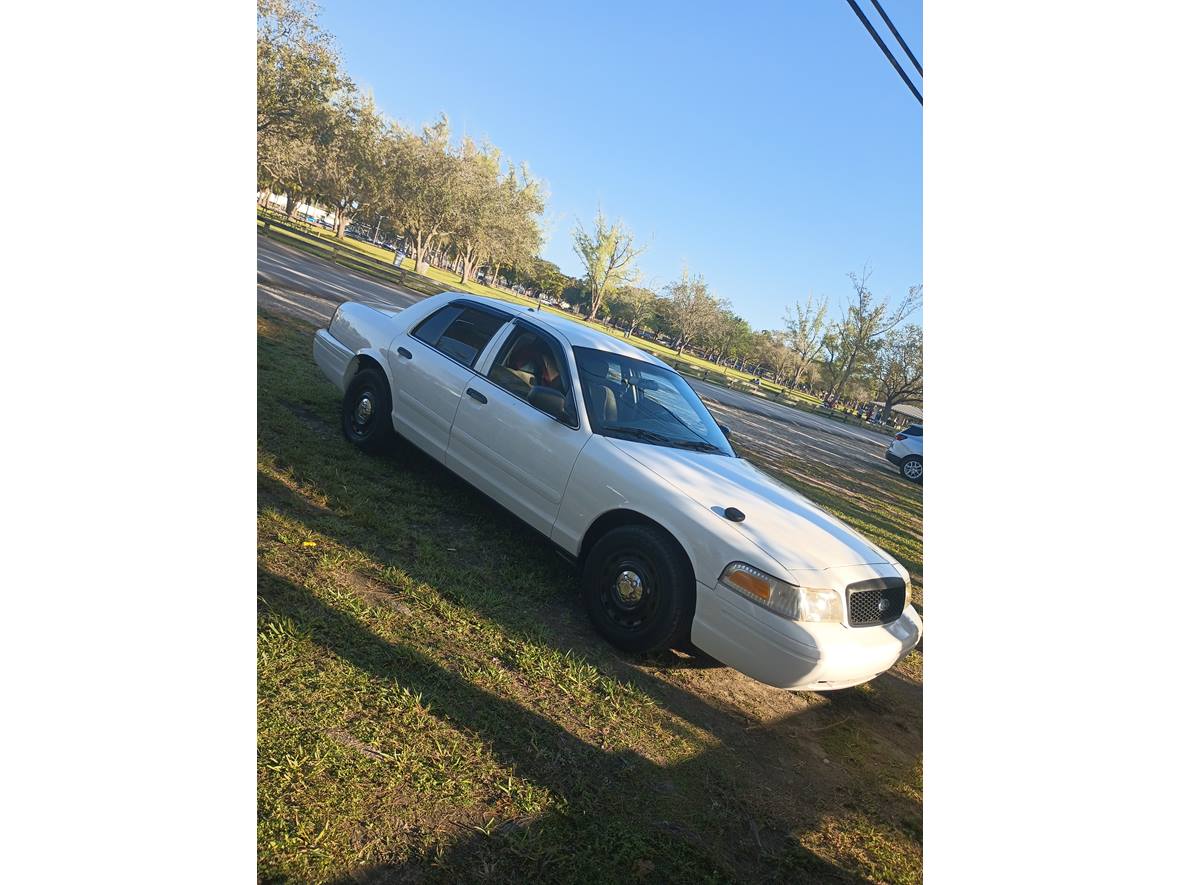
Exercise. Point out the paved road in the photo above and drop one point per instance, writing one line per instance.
(779, 412)
(292, 282)
(286, 268)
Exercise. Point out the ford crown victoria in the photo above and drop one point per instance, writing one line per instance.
(609, 454)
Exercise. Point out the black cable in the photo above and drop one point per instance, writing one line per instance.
(889, 55)
(897, 36)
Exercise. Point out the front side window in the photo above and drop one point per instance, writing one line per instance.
(460, 331)
(530, 365)
(632, 399)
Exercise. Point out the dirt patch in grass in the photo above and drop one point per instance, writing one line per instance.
(434, 706)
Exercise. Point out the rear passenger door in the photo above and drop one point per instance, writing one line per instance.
(431, 366)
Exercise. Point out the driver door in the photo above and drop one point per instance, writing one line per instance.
(504, 442)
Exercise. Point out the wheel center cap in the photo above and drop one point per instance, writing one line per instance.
(364, 409)
(629, 587)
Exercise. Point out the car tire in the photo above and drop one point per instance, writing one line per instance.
(366, 416)
(639, 589)
(911, 468)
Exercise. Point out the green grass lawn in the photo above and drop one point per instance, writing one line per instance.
(433, 705)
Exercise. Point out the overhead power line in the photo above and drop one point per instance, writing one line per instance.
(889, 55)
(897, 36)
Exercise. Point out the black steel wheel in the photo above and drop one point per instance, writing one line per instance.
(639, 589)
(367, 414)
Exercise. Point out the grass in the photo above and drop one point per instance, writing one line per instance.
(432, 705)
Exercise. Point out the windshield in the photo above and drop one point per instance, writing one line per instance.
(631, 399)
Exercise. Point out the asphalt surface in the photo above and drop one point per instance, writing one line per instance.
(282, 267)
(291, 282)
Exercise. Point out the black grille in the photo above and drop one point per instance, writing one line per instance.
(877, 601)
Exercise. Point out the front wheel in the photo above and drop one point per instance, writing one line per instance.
(367, 414)
(639, 589)
(911, 468)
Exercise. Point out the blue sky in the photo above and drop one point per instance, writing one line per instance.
(769, 147)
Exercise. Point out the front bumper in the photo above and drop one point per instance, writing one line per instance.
(786, 654)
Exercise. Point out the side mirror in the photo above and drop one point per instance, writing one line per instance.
(550, 401)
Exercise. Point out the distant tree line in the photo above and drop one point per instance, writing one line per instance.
(321, 142)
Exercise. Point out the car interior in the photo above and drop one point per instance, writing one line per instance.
(619, 394)
(527, 362)
(459, 332)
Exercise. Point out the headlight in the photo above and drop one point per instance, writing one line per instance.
(796, 603)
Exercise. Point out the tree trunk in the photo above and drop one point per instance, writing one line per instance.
(798, 374)
(292, 199)
(467, 256)
(420, 245)
(848, 367)
(341, 223)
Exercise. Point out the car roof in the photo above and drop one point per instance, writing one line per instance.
(577, 334)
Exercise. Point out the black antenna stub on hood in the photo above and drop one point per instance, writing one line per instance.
(734, 514)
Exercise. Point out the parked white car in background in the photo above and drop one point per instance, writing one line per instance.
(607, 452)
(906, 452)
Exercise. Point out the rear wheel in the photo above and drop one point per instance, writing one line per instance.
(367, 414)
(639, 589)
(911, 468)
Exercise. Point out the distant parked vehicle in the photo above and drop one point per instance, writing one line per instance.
(906, 452)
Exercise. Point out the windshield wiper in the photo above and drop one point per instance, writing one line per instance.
(640, 433)
(699, 445)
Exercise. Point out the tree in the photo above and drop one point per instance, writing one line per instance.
(805, 335)
(726, 336)
(899, 368)
(608, 255)
(688, 308)
(420, 193)
(347, 155)
(772, 354)
(866, 322)
(298, 73)
(516, 233)
(298, 66)
(577, 296)
(479, 197)
(545, 276)
(631, 306)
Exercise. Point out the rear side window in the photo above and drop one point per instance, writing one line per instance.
(459, 331)
(431, 328)
(913, 430)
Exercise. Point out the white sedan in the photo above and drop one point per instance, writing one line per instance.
(609, 454)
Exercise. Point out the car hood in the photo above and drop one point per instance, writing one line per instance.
(784, 524)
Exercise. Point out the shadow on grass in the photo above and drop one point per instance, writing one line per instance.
(619, 810)
(616, 809)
